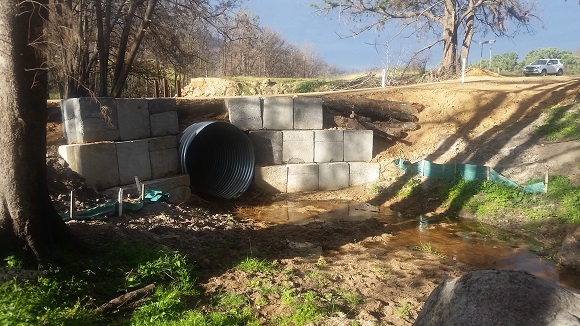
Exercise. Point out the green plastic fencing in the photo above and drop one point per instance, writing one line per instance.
(470, 172)
(111, 208)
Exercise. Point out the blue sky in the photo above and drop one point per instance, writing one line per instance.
(298, 23)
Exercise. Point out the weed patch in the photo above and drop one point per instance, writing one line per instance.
(563, 123)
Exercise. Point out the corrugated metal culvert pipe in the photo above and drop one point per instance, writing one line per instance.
(219, 159)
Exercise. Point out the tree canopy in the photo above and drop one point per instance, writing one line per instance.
(452, 23)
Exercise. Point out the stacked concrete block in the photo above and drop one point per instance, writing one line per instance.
(293, 151)
(308, 113)
(96, 162)
(358, 145)
(133, 116)
(133, 160)
(245, 112)
(297, 146)
(88, 120)
(164, 123)
(328, 146)
(272, 178)
(163, 156)
(278, 113)
(333, 176)
(267, 146)
(363, 173)
(109, 164)
(302, 177)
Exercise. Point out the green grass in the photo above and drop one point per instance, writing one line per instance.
(252, 264)
(309, 86)
(562, 123)
(307, 308)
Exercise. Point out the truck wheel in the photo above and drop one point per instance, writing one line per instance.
(544, 72)
(560, 72)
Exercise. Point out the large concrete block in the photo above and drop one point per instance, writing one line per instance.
(302, 177)
(165, 123)
(160, 143)
(164, 163)
(88, 120)
(332, 176)
(363, 173)
(272, 179)
(133, 119)
(160, 105)
(278, 113)
(328, 145)
(96, 162)
(245, 112)
(297, 146)
(267, 146)
(133, 160)
(358, 145)
(308, 113)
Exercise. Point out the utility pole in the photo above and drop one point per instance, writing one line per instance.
(490, 45)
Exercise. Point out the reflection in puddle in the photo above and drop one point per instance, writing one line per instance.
(466, 241)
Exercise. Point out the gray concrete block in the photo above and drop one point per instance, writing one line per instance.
(278, 113)
(363, 173)
(133, 117)
(164, 163)
(160, 143)
(272, 179)
(245, 112)
(332, 176)
(90, 120)
(96, 162)
(297, 146)
(267, 146)
(133, 160)
(308, 113)
(302, 177)
(165, 123)
(160, 105)
(358, 145)
(328, 145)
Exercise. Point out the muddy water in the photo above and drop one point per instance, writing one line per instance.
(471, 242)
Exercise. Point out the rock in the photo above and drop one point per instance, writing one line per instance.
(492, 297)
(570, 251)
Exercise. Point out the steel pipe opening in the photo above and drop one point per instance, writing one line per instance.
(219, 159)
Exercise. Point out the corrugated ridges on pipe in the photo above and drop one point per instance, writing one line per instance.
(218, 157)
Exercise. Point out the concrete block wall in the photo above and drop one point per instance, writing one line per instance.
(315, 176)
(112, 141)
(87, 120)
(110, 164)
(293, 151)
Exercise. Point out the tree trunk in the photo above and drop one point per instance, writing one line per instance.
(27, 217)
(468, 35)
(449, 36)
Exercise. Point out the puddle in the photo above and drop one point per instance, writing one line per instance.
(471, 242)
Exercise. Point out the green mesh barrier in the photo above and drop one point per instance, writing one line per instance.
(111, 208)
(470, 172)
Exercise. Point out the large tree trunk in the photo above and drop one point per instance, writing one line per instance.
(27, 217)
(449, 22)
